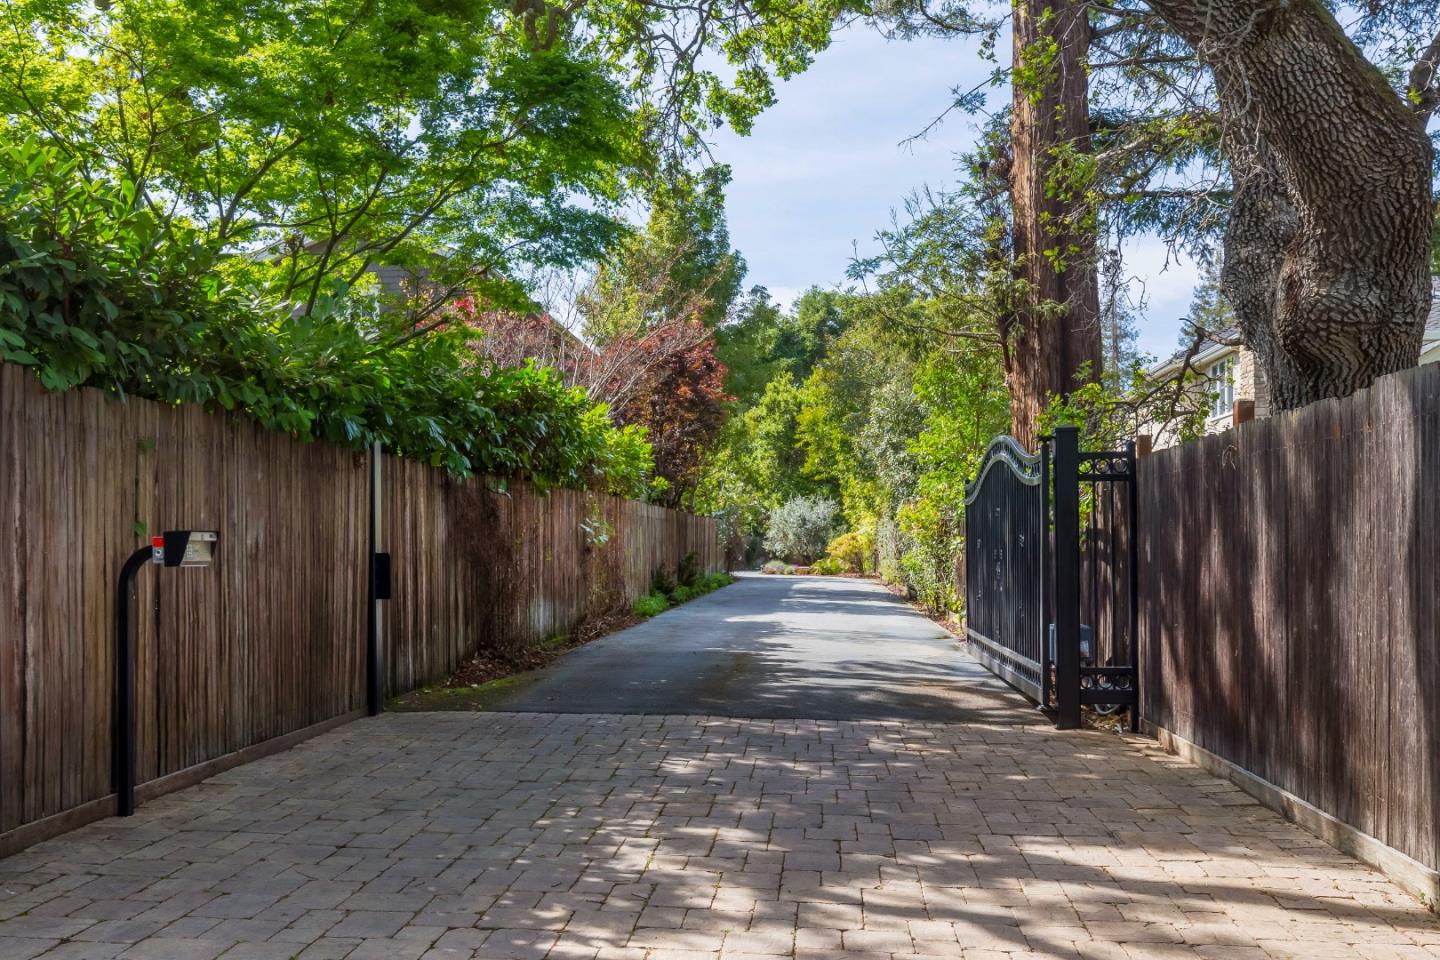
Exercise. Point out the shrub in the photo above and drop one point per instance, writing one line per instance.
(714, 581)
(827, 567)
(662, 582)
(799, 529)
(773, 566)
(689, 570)
(682, 593)
(852, 551)
(651, 604)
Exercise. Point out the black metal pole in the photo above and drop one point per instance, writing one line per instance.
(1134, 583)
(123, 723)
(374, 686)
(1067, 577)
(1046, 699)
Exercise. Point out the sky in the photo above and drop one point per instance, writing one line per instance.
(824, 168)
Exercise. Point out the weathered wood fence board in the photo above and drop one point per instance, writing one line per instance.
(1289, 582)
(271, 639)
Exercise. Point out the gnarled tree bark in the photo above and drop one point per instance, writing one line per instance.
(1328, 247)
(1057, 332)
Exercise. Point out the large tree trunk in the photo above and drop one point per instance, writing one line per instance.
(1328, 248)
(1057, 332)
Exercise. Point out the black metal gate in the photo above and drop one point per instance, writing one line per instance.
(1005, 563)
(1051, 573)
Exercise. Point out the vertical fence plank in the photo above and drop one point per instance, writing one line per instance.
(270, 638)
(1289, 603)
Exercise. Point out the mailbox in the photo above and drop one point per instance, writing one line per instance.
(185, 548)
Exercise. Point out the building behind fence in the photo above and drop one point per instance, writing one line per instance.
(1290, 605)
(268, 645)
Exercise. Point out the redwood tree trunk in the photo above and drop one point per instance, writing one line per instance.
(1057, 330)
(1328, 247)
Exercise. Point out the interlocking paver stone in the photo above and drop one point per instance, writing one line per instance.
(555, 836)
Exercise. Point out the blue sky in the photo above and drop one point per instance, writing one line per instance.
(824, 168)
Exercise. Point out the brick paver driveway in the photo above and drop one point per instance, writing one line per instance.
(613, 837)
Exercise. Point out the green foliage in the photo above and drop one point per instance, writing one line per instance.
(652, 604)
(1126, 402)
(662, 580)
(680, 267)
(687, 573)
(714, 581)
(853, 551)
(659, 600)
(828, 567)
(325, 137)
(799, 529)
(88, 297)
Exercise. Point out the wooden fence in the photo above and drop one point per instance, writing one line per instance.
(1290, 585)
(268, 644)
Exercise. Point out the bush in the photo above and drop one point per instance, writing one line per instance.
(827, 567)
(682, 593)
(852, 551)
(799, 529)
(688, 572)
(662, 582)
(714, 581)
(651, 604)
(773, 566)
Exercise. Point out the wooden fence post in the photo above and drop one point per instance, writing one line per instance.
(1067, 577)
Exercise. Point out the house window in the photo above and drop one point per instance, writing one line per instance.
(1222, 382)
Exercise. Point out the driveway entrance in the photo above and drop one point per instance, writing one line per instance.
(814, 648)
(625, 834)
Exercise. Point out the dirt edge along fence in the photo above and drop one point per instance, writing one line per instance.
(267, 645)
(1290, 605)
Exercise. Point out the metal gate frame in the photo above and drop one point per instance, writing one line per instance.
(1013, 641)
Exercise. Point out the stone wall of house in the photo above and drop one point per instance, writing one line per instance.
(1250, 382)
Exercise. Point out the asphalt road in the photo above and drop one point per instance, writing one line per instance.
(776, 647)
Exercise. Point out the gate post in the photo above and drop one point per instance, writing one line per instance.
(1067, 577)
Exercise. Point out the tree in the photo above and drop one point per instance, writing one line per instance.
(321, 139)
(681, 403)
(680, 265)
(747, 344)
(1327, 252)
(1056, 340)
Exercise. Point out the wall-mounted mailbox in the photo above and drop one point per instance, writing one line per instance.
(185, 548)
(383, 590)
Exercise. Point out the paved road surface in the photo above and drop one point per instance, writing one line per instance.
(620, 836)
(817, 648)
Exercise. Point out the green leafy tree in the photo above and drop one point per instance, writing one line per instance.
(680, 267)
(326, 138)
(87, 298)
